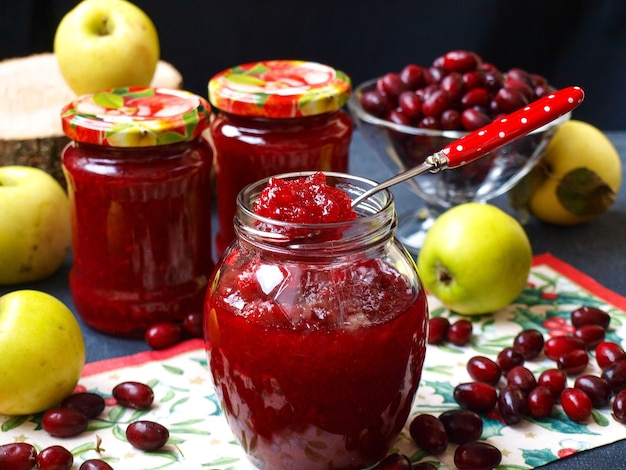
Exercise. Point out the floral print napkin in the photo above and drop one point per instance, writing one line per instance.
(200, 438)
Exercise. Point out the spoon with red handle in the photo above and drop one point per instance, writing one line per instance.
(490, 137)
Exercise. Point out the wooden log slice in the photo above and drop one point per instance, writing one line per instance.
(32, 94)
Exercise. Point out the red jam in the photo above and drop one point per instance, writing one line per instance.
(141, 207)
(307, 200)
(275, 117)
(316, 359)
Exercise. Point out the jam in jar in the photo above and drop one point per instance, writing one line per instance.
(273, 117)
(315, 324)
(139, 180)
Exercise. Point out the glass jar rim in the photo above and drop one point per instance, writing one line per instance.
(376, 222)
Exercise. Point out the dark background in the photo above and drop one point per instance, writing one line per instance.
(571, 42)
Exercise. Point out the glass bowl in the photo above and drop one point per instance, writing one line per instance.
(402, 147)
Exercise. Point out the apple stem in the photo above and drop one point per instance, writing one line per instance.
(104, 30)
(444, 276)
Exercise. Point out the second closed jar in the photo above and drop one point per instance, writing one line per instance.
(273, 117)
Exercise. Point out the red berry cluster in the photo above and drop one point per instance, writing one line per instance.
(459, 91)
(524, 394)
(168, 333)
(72, 418)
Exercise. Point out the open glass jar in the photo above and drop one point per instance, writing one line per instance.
(138, 175)
(316, 343)
(272, 117)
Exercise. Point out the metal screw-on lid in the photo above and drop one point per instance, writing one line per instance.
(135, 117)
(279, 89)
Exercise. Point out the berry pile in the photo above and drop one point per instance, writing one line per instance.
(168, 333)
(459, 91)
(505, 385)
(72, 418)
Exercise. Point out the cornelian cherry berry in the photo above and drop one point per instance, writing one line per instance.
(556, 346)
(64, 422)
(438, 330)
(462, 425)
(483, 369)
(163, 335)
(18, 456)
(529, 343)
(509, 358)
(95, 464)
(576, 404)
(607, 353)
(615, 375)
(394, 461)
(476, 396)
(428, 433)
(540, 402)
(134, 395)
(573, 362)
(460, 332)
(90, 404)
(619, 407)
(147, 435)
(55, 457)
(554, 380)
(590, 316)
(477, 455)
(597, 389)
(193, 324)
(522, 378)
(592, 335)
(512, 404)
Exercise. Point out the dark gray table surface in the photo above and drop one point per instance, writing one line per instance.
(597, 248)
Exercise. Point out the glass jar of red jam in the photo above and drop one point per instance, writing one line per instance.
(275, 117)
(139, 180)
(315, 331)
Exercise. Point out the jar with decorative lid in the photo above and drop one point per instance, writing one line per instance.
(274, 117)
(138, 173)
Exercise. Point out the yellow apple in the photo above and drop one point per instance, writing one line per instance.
(104, 44)
(35, 226)
(476, 258)
(42, 351)
(577, 178)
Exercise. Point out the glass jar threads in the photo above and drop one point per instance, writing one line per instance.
(274, 117)
(138, 173)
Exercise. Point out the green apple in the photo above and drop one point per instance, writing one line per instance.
(104, 44)
(476, 258)
(35, 225)
(42, 351)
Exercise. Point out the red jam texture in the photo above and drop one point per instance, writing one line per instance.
(328, 384)
(307, 200)
(140, 227)
(315, 364)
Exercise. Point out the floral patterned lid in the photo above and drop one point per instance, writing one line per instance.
(279, 89)
(135, 117)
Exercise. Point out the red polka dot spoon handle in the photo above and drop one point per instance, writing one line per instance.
(490, 137)
(512, 126)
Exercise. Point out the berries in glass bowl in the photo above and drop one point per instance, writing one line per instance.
(408, 115)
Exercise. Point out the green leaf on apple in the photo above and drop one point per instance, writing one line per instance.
(108, 100)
